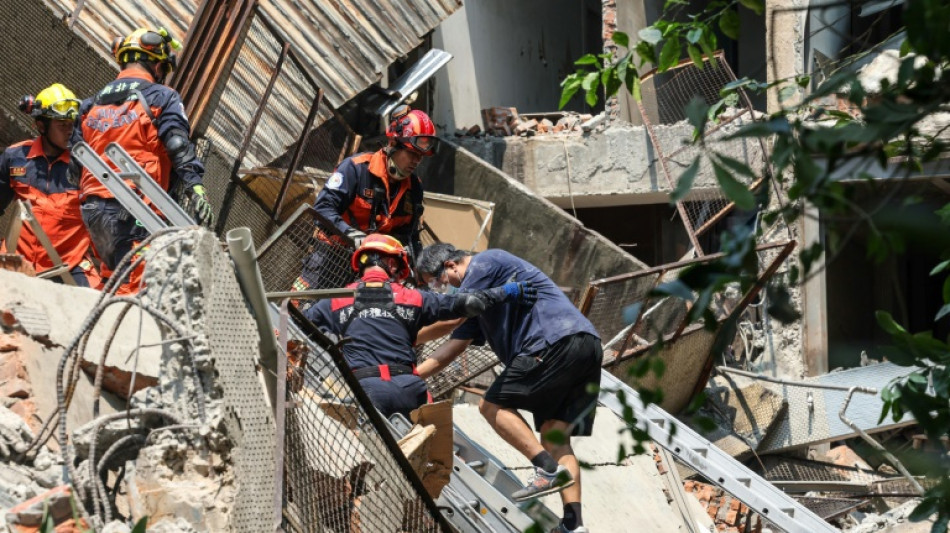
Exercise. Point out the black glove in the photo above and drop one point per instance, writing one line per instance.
(196, 204)
(356, 235)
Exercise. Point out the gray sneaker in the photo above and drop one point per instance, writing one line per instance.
(542, 483)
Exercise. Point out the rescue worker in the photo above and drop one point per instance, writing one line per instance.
(37, 171)
(146, 118)
(552, 355)
(384, 316)
(375, 192)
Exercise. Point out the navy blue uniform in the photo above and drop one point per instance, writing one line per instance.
(360, 195)
(27, 174)
(381, 336)
(550, 350)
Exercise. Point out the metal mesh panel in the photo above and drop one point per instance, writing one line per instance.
(473, 362)
(686, 352)
(685, 360)
(271, 138)
(664, 101)
(307, 242)
(250, 422)
(829, 508)
(792, 469)
(344, 472)
(605, 301)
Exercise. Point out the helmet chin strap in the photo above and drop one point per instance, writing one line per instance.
(394, 171)
(47, 142)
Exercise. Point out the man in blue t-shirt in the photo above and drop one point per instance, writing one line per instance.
(551, 353)
(384, 316)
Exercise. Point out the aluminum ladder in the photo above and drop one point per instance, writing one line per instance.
(716, 465)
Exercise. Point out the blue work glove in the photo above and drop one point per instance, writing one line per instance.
(522, 292)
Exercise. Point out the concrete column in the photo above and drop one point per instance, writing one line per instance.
(814, 308)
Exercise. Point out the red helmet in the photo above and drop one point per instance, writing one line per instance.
(412, 130)
(381, 245)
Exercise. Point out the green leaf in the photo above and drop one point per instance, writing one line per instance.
(695, 55)
(886, 321)
(905, 48)
(669, 54)
(758, 6)
(685, 182)
(780, 305)
(650, 34)
(141, 525)
(591, 80)
(733, 189)
(694, 35)
(636, 90)
(736, 166)
(587, 59)
(943, 312)
(646, 52)
(696, 113)
(762, 128)
(924, 509)
(729, 24)
(674, 288)
(620, 39)
(786, 92)
(940, 268)
(570, 87)
(708, 42)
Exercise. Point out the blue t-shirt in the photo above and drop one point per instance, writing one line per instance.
(512, 329)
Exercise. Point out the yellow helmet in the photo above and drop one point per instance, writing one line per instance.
(55, 102)
(144, 44)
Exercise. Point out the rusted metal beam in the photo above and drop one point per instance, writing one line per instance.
(298, 153)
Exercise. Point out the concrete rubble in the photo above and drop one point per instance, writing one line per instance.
(156, 442)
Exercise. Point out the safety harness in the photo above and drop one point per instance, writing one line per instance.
(377, 295)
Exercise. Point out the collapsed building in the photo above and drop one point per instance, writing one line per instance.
(273, 111)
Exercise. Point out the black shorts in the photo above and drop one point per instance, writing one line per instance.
(553, 384)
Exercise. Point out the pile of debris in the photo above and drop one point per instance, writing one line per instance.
(506, 121)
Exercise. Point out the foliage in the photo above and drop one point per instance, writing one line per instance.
(810, 146)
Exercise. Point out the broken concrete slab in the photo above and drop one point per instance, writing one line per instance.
(155, 491)
(42, 304)
(36, 363)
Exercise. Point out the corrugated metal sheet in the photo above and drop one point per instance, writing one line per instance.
(347, 43)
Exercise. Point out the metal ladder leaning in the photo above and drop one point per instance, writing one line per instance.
(719, 467)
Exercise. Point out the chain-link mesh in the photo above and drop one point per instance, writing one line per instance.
(794, 469)
(665, 98)
(344, 470)
(473, 362)
(606, 299)
(609, 303)
(829, 508)
(271, 139)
